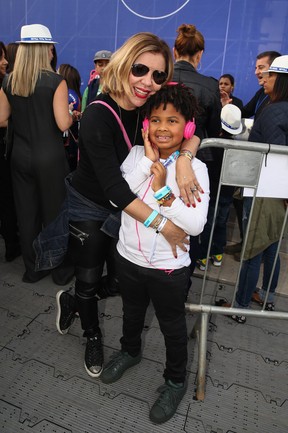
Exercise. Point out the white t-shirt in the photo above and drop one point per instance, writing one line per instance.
(142, 245)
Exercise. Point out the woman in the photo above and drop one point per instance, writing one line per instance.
(36, 98)
(73, 81)
(226, 87)
(97, 190)
(188, 50)
(268, 213)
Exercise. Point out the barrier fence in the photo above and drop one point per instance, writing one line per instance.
(244, 165)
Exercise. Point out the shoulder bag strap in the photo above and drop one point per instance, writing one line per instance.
(128, 142)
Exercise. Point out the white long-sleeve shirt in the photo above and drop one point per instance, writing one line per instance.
(142, 245)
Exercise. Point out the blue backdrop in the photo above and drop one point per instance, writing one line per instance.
(235, 31)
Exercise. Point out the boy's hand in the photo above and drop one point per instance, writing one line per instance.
(151, 151)
(159, 179)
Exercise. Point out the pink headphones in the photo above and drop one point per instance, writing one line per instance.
(188, 131)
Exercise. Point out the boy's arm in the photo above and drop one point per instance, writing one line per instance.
(191, 219)
(136, 168)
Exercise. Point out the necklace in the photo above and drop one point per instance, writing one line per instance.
(137, 123)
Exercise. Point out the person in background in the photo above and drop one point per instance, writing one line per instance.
(97, 191)
(73, 81)
(101, 60)
(252, 109)
(226, 87)
(54, 58)
(151, 272)
(11, 50)
(188, 51)
(36, 98)
(268, 213)
(8, 218)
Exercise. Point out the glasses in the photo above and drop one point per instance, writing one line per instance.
(139, 70)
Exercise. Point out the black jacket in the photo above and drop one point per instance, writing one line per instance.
(206, 90)
(272, 126)
(207, 93)
(256, 104)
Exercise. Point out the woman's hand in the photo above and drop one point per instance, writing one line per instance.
(151, 151)
(187, 182)
(159, 179)
(175, 236)
(225, 98)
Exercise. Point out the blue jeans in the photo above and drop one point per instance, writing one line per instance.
(250, 273)
(219, 236)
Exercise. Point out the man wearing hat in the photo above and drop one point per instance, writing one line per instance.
(101, 59)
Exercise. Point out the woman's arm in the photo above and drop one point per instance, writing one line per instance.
(185, 176)
(61, 108)
(5, 109)
(174, 235)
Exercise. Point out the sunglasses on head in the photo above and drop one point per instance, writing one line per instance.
(139, 70)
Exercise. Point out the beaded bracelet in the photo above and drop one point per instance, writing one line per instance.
(187, 153)
(150, 218)
(162, 192)
(157, 222)
(166, 198)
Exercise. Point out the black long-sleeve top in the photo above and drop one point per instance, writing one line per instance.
(102, 151)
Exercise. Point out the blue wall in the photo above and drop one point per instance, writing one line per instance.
(235, 30)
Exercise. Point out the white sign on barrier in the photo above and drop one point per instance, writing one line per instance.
(273, 180)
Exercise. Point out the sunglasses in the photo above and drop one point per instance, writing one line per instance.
(139, 70)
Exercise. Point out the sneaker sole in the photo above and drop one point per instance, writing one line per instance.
(61, 331)
(90, 372)
(217, 264)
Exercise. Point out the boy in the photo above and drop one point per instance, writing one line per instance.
(147, 269)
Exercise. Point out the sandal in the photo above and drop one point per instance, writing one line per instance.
(222, 303)
(270, 306)
(238, 319)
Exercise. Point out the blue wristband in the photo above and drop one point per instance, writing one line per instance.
(151, 217)
(162, 192)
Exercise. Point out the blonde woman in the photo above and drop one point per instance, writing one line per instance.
(97, 191)
(36, 99)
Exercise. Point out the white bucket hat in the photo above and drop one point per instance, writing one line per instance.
(280, 65)
(231, 119)
(36, 34)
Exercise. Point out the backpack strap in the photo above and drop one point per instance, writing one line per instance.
(128, 142)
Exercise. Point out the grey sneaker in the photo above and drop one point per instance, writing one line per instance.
(66, 311)
(166, 404)
(118, 364)
(94, 356)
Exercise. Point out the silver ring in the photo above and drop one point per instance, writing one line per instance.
(193, 189)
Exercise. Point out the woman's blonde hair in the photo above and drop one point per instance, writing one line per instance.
(31, 60)
(116, 73)
(189, 40)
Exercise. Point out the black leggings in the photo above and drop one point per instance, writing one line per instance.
(89, 249)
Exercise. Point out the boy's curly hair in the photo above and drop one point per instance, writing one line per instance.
(177, 94)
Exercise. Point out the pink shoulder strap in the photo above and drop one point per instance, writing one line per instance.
(128, 142)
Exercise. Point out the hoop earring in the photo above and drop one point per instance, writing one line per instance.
(199, 66)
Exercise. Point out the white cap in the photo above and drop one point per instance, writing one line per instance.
(36, 34)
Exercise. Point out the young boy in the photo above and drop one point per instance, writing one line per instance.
(147, 268)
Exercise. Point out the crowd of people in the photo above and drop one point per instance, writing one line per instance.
(111, 188)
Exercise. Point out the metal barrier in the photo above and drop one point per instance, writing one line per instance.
(241, 167)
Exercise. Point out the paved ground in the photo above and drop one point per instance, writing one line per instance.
(44, 387)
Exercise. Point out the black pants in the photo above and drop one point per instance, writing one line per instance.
(139, 285)
(9, 227)
(89, 249)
